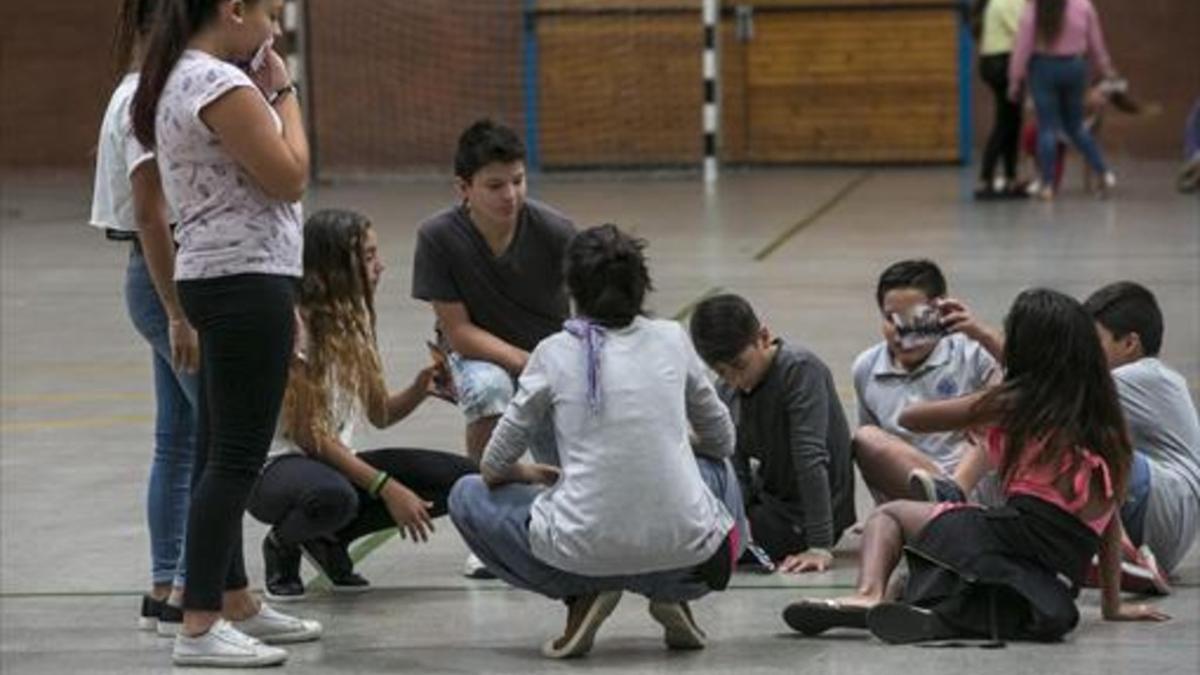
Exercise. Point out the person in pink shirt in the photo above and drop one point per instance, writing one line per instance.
(1053, 39)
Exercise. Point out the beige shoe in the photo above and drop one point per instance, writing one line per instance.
(584, 616)
(679, 626)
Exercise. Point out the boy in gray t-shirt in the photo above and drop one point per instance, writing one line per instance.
(1162, 508)
(492, 269)
(933, 349)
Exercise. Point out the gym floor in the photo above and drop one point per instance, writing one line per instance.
(804, 245)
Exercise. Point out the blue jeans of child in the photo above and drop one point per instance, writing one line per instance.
(494, 523)
(1058, 84)
(174, 427)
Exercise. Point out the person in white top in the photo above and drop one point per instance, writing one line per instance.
(637, 504)
(128, 205)
(234, 163)
(316, 492)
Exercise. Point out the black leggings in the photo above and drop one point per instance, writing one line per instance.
(1005, 138)
(304, 498)
(245, 323)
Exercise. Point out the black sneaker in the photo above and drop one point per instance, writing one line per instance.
(281, 565)
(331, 559)
(170, 620)
(899, 624)
(151, 610)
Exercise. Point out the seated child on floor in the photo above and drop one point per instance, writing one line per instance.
(1057, 438)
(793, 445)
(933, 349)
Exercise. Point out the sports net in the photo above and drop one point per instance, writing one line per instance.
(587, 83)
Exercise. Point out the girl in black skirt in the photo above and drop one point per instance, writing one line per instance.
(1056, 437)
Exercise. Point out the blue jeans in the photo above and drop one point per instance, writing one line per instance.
(494, 523)
(1058, 84)
(175, 396)
(1133, 511)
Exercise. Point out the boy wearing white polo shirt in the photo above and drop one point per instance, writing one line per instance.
(933, 349)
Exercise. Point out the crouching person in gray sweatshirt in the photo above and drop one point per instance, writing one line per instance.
(639, 503)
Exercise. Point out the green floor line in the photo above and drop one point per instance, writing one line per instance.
(814, 216)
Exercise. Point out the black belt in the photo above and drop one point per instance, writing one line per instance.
(119, 235)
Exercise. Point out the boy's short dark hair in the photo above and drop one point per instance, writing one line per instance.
(722, 327)
(922, 274)
(606, 275)
(1126, 307)
(485, 142)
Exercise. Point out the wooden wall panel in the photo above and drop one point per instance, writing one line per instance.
(857, 86)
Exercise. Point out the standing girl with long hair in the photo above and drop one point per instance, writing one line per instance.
(234, 162)
(1053, 40)
(128, 204)
(316, 492)
(1057, 439)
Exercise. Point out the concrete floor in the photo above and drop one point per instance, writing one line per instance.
(76, 412)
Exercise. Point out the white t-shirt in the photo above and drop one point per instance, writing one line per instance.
(118, 153)
(227, 225)
(631, 499)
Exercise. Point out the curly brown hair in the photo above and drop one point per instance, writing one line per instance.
(341, 366)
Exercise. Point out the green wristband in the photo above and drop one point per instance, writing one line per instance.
(377, 484)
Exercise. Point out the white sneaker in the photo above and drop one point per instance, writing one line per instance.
(277, 628)
(474, 568)
(224, 646)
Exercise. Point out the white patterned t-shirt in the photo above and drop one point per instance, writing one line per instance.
(227, 224)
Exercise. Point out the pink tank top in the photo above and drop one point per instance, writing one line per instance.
(1039, 480)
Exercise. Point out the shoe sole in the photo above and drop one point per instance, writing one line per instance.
(284, 598)
(921, 488)
(581, 642)
(899, 624)
(814, 618)
(167, 629)
(148, 624)
(288, 638)
(228, 662)
(680, 632)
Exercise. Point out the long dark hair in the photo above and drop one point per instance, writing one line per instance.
(339, 315)
(1057, 389)
(607, 276)
(1049, 19)
(134, 21)
(174, 25)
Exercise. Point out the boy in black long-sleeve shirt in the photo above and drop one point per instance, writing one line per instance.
(799, 489)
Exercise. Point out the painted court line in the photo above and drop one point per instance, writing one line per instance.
(811, 218)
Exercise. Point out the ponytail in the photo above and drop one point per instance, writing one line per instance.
(134, 22)
(174, 25)
(1049, 20)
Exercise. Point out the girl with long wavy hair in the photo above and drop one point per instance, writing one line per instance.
(316, 492)
(1057, 439)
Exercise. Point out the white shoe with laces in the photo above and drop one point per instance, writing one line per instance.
(277, 628)
(224, 646)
